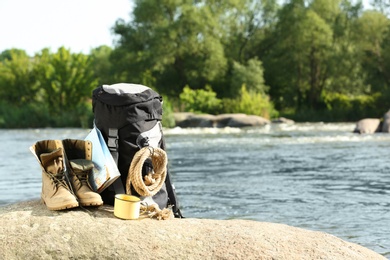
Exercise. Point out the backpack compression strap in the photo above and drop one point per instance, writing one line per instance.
(112, 144)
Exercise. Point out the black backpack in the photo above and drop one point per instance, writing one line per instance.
(129, 118)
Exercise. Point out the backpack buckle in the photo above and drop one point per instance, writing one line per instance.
(112, 141)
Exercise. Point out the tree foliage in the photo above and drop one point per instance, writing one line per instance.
(59, 83)
(306, 59)
(102, 65)
(251, 75)
(66, 79)
(171, 40)
(200, 100)
(16, 70)
(250, 102)
(373, 31)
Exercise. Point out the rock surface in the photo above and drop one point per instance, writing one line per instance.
(283, 120)
(223, 120)
(29, 231)
(368, 126)
(386, 122)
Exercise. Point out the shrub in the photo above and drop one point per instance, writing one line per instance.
(351, 108)
(251, 103)
(38, 114)
(168, 119)
(200, 100)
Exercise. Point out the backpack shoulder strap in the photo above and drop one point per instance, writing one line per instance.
(171, 190)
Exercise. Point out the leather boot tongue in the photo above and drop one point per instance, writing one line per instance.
(53, 161)
(81, 165)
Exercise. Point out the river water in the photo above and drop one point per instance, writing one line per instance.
(315, 176)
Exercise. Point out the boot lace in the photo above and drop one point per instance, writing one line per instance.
(83, 178)
(59, 179)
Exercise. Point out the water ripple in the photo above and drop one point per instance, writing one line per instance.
(315, 176)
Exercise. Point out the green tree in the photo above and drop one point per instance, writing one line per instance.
(10, 54)
(314, 54)
(304, 41)
(381, 5)
(66, 81)
(373, 35)
(251, 75)
(179, 42)
(245, 22)
(102, 65)
(346, 75)
(16, 78)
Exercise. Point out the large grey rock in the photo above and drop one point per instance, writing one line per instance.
(195, 120)
(223, 120)
(283, 120)
(240, 120)
(386, 122)
(181, 116)
(29, 231)
(368, 126)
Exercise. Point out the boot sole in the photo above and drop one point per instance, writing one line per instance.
(61, 207)
(92, 203)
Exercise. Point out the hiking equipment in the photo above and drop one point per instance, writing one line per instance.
(79, 155)
(56, 193)
(129, 118)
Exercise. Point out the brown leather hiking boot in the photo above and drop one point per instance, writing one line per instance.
(56, 193)
(79, 154)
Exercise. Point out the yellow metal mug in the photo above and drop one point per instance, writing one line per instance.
(127, 206)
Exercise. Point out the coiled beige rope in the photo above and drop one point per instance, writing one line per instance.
(154, 180)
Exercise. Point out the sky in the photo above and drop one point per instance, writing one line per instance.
(78, 25)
